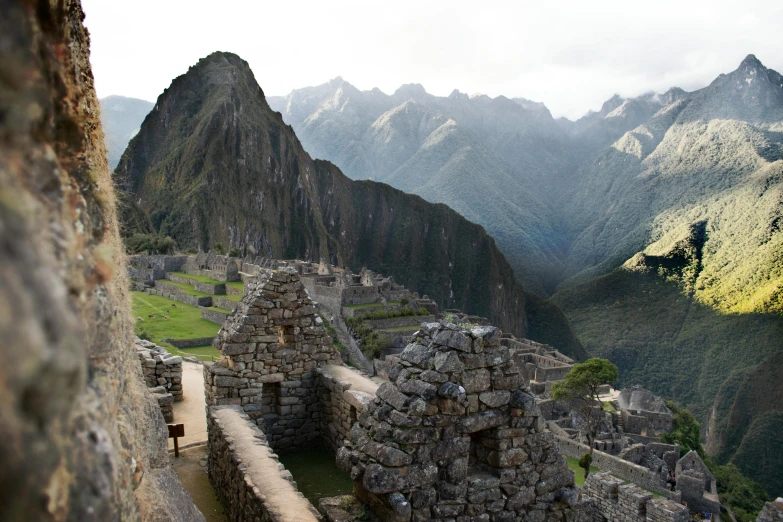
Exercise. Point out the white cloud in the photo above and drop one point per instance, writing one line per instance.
(570, 55)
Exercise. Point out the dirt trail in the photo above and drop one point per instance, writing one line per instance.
(190, 411)
(193, 476)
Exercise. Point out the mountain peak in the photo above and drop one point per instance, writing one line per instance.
(751, 61)
(411, 90)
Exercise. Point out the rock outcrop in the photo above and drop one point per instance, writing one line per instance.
(82, 437)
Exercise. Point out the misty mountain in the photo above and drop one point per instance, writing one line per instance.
(490, 159)
(121, 118)
(213, 163)
(656, 221)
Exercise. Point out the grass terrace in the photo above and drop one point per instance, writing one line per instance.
(372, 305)
(231, 297)
(184, 322)
(238, 285)
(198, 278)
(411, 328)
(187, 289)
(579, 473)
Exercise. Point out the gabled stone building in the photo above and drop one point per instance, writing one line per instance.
(457, 434)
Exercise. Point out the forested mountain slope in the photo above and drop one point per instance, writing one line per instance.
(213, 163)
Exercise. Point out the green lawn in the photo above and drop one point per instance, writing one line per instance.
(184, 322)
(607, 406)
(239, 285)
(236, 298)
(186, 288)
(579, 473)
(204, 353)
(198, 278)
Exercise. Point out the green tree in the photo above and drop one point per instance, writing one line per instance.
(219, 250)
(686, 430)
(234, 252)
(581, 386)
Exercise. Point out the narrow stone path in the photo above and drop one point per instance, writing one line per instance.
(192, 473)
(190, 411)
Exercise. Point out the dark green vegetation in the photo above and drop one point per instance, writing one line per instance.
(172, 320)
(579, 473)
(121, 118)
(374, 343)
(214, 164)
(316, 473)
(744, 496)
(152, 244)
(686, 430)
(582, 384)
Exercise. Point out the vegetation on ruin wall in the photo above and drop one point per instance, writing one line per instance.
(371, 342)
(660, 337)
(172, 320)
(743, 495)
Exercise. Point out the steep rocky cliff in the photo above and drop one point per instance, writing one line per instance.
(213, 163)
(82, 438)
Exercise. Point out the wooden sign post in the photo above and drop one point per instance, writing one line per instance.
(176, 430)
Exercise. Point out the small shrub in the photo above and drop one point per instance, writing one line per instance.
(234, 252)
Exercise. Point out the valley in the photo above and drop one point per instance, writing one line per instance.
(652, 223)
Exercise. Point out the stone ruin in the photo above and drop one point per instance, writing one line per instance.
(772, 512)
(456, 433)
(162, 374)
(270, 347)
(613, 499)
(697, 484)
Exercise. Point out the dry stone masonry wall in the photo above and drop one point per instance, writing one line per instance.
(617, 501)
(163, 375)
(250, 482)
(455, 435)
(271, 346)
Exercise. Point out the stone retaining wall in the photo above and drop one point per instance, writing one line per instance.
(395, 322)
(354, 295)
(617, 500)
(240, 467)
(224, 302)
(616, 466)
(207, 288)
(160, 368)
(215, 316)
(174, 293)
(190, 343)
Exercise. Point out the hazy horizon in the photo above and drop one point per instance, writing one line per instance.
(570, 58)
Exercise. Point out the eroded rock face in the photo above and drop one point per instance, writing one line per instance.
(82, 439)
(457, 434)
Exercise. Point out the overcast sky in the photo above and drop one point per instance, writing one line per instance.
(570, 55)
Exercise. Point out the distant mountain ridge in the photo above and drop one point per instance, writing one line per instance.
(654, 222)
(121, 118)
(213, 163)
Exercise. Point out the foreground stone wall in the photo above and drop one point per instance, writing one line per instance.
(82, 438)
(616, 500)
(249, 480)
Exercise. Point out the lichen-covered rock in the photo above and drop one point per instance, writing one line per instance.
(82, 437)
